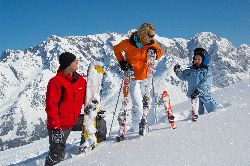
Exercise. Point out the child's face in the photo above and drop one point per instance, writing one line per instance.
(197, 60)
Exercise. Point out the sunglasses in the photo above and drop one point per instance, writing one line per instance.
(151, 36)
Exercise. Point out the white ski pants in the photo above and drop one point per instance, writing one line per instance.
(137, 91)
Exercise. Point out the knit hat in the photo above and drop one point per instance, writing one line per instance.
(65, 59)
(206, 59)
(200, 51)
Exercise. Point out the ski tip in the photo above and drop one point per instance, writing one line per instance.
(173, 125)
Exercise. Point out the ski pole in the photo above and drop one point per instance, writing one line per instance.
(153, 88)
(115, 108)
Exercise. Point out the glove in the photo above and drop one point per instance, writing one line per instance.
(177, 68)
(151, 53)
(152, 49)
(195, 94)
(57, 135)
(125, 66)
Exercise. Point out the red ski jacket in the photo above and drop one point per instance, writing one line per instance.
(64, 99)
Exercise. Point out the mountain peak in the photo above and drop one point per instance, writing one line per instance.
(207, 37)
(53, 38)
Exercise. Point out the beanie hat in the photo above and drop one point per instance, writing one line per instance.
(203, 53)
(65, 59)
(200, 51)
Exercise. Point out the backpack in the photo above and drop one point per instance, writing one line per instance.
(101, 126)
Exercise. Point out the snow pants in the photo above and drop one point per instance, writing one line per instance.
(210, 106)
(56, 150)
(137, 91)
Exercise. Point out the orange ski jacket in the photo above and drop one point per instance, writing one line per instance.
(137, 57)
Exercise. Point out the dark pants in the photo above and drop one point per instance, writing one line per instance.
(56, 150)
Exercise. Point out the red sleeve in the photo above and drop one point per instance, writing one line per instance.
(53, 95)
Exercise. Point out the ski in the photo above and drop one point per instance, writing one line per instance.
(151, 63)
(169, 109)
(92, 107)
(125, 107)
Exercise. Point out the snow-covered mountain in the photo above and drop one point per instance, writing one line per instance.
(24, 75)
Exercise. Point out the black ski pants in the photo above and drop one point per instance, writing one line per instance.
(56, 150)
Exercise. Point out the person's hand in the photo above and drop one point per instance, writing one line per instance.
(152, 50)
(125, 66)
(195, 94)
(57, 135)
(151, 53)
(177, 68)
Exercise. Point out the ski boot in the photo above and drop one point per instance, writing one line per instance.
(143, 127)
(171, 121)
(122, 123)
(194, 116)
(120, 138)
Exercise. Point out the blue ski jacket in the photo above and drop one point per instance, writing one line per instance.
(200, 79)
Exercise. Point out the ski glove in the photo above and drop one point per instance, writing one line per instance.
(125, 66)
(195, 94)
(152, 49)
(177, 68)
(57, 135)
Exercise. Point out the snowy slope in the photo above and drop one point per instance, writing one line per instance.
(221, 138)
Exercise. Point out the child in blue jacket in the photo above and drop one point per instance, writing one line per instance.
(199, 78)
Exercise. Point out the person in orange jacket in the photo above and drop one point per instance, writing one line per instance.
(132, 53)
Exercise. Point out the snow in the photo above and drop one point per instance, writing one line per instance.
(220, 138)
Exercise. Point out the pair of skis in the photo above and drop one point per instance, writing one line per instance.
(143, 127)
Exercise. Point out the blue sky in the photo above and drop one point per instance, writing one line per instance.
(25, 23)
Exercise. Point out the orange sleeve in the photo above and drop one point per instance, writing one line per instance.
(159, 51)
(118, 49)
